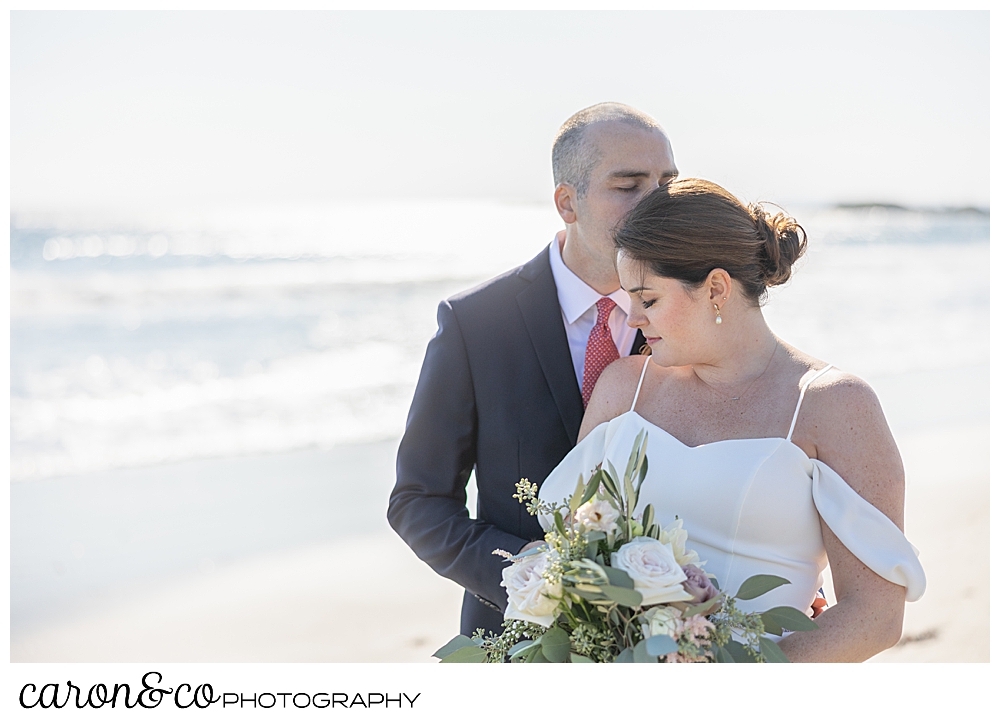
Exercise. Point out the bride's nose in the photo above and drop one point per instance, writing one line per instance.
(636, 317)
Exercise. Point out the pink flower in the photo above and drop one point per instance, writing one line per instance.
(699, 585)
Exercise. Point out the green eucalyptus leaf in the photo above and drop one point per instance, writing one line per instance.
(722, 655)
(555, 644)
(618, 578)
(521, 648)
(641, 655)
(757, 585)
(468, 654)
(701, 608)
(790, 619)
(623, 596)
(574, 658)
(625, 656)
(587, 594)
(530, 654)
(535, 656)
(739, 653)
(456, 643)
(771, 652)
(771, 625)
(660, 645)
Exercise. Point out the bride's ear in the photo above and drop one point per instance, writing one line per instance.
(719, 285)
(565, 198)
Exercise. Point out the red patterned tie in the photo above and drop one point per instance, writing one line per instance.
(601, 349)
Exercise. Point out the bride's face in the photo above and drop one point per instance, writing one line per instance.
(676, 320)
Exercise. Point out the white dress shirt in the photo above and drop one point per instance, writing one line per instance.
(578, 302)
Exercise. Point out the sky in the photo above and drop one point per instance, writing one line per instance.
(112, 109)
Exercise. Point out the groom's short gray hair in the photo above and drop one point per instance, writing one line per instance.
(573, 158)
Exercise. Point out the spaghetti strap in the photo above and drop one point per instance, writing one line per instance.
(641, 377)
(802, 395)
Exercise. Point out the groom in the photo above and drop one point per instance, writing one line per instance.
(507, 376)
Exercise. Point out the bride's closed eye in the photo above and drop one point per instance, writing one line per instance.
(646, 303)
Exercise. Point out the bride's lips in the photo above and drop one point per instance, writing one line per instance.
(653, 339)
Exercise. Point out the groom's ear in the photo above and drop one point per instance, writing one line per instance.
(565, 198)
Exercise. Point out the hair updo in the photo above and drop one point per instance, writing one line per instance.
(688, 227)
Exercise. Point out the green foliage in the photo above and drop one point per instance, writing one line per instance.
(660, 645)
(622, 595)
(471, 654)
(626, 656)
(788, 618)
(555, 645)
(757, 585)
(456, 643)
(592, 486)
(521, 649)
(618, 578)
(771, 652)
(739, 653)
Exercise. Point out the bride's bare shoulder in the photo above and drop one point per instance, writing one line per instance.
(613, 392)
(835, 391)
(842, 416)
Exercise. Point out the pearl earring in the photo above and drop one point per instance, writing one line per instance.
(718, 314)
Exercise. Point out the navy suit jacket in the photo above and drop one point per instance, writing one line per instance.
(497, 393)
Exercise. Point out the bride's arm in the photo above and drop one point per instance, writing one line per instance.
(845, 425)
(613, 393)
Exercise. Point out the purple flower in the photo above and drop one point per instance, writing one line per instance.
(698, 584)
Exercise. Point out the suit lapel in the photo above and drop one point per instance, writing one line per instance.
(539, 304)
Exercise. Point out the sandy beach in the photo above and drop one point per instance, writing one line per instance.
(303, 593)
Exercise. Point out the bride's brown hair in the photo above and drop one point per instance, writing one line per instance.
(688, 227)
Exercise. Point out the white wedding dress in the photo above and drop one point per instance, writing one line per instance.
(750, 506)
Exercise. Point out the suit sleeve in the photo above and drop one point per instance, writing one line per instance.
(427, 507)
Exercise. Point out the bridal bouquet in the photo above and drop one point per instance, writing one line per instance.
(609, 585)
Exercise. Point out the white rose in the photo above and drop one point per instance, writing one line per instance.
(653, 569)
(597, 514)
(664, 621)
(530, 596)
(676, 536)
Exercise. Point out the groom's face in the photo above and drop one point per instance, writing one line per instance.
(633, 161)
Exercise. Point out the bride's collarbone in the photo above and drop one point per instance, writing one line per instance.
(696, 420)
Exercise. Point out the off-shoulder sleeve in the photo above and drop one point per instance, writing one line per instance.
(581, 460)
(866, 531)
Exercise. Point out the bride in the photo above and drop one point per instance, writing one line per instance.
(776, 462)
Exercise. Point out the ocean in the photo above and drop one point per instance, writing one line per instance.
(153, 339)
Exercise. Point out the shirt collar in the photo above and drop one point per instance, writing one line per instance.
(576, 297)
